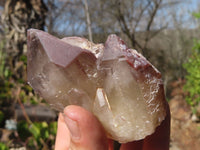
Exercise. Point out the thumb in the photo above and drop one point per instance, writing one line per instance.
(85, 130)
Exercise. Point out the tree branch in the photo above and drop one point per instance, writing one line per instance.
(157, 4)
(88, 22)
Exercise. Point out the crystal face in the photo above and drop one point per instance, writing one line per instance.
(117, 84)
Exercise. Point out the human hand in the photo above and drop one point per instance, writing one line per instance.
(79, 129)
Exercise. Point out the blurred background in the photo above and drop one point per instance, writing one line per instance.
(166, 32)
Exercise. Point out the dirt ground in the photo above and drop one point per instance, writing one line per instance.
(185, 127)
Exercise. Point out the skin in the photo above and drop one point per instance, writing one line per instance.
(79, 129)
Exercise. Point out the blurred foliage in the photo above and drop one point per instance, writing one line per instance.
(196, 15)
(33, 135)
(192, 67)
(193, 77)
(4, 70)
(6, 100)
(37, 135)
(1, 116)
(3, 146)
(6, 92)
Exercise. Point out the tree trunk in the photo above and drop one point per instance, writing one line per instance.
(18, 16)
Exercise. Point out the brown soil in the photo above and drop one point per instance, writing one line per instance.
(185, 131)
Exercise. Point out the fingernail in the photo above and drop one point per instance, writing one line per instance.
(73, 127)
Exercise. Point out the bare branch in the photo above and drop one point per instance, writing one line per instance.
(152, 15)
(88, 20)
(141, 13)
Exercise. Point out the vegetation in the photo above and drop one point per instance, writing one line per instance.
(38, 135)
(3, 146)
(13, 87)
(193, 77)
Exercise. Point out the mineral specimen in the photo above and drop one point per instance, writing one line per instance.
(122, 89)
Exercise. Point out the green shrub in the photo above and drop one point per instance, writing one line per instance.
(39, 134)
(192, 67)
(3, 146)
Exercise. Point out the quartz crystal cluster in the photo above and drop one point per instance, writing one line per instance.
(117, 84)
